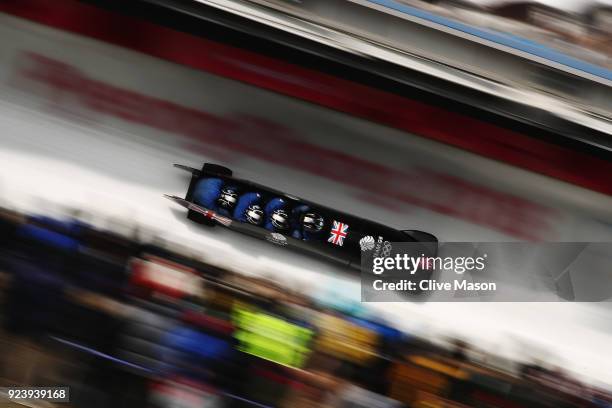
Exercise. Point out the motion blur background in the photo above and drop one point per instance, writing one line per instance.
(471, 120)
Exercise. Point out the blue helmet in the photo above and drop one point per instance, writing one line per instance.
(280, 219)
(312, 222)
(228, 198)
(254, 214)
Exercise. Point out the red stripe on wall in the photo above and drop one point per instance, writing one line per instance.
(359, 100)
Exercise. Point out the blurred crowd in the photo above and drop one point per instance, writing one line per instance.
(126, 323)
(582, 28)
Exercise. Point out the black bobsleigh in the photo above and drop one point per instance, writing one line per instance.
(215, 197)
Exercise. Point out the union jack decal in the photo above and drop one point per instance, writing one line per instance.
(338, 232)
